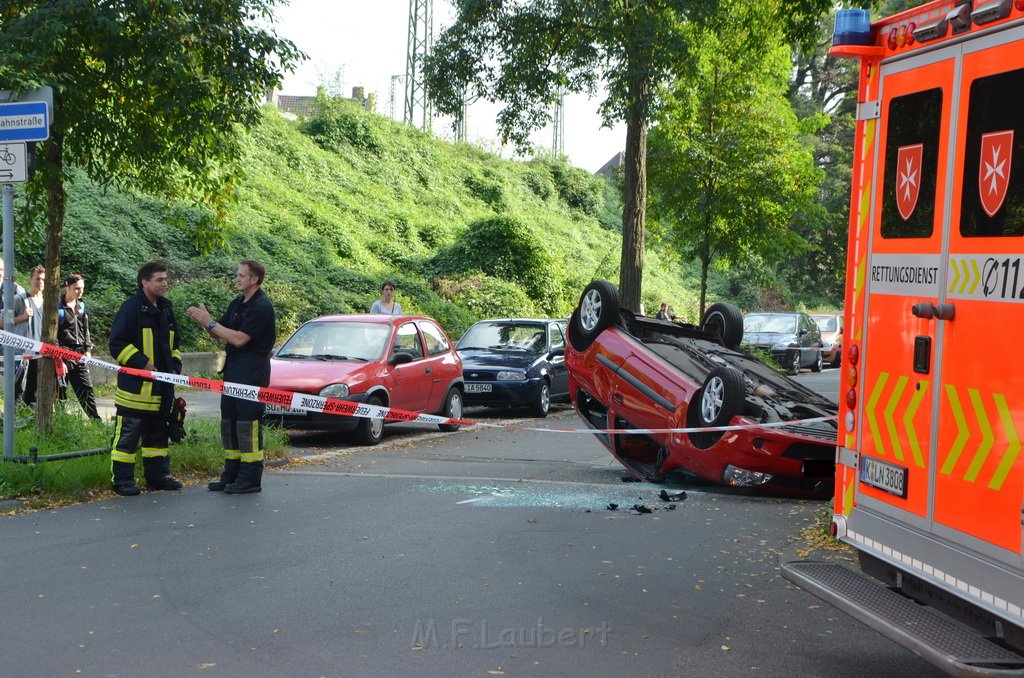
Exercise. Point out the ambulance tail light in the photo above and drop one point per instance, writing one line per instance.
(852, 377)
(852, 27)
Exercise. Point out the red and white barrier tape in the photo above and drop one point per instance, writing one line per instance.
(336, 406)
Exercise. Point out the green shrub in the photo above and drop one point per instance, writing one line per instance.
(505, 248)
(216, 294)
(481, 296)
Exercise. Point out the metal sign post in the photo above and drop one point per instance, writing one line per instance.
(8, 282)
(26, 117)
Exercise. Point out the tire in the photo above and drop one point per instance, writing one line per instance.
(725, 321)
(597, 311)
(452, 409)
(722, 397)
(837, 360)
(370, 431)
(794, 366)
(542, 405)
(816, 365)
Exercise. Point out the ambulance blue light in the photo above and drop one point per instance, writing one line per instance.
(853, 27)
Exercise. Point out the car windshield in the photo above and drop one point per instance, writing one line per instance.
(348, 341)
(826, 323)
(504, 336)
(780, 324)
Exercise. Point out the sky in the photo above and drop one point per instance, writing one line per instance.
(366, 42)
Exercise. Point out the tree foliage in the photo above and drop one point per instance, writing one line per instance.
(146, 93)
(525, 53)
(728, 168)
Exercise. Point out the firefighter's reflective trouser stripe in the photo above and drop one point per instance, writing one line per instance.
(242, 440)
(129, 432)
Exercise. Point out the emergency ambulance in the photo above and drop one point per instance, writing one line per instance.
(930, 470)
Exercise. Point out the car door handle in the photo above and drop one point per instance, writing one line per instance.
(617, 398)
(428, 370)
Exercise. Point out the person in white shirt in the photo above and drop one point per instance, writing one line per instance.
(387, 304)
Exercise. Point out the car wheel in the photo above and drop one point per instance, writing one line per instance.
(722, 397)
(542, 404)
(794, 367)
(452, 409)
(369, 431)
(816, 366)
(726, 321)
(837, 359)
(598, 310)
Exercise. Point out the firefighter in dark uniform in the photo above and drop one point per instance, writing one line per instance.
(144, 335)
(248, 329)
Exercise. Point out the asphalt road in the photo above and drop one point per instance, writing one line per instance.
(479, 553)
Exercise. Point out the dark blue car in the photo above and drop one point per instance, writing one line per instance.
(515, 362)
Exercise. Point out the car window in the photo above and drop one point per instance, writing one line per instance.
(408, 340)
(504, 335)
(826, 323)
(782, 324)
(436, 342)
(557, 340)
(337, 340)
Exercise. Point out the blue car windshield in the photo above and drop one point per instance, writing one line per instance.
(778, 324)
(358, 342)
(504, 336)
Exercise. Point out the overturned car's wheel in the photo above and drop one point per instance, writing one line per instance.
(721, 398)
(598, 310)
(726, 321)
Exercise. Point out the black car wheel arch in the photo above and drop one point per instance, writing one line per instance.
(598, 310)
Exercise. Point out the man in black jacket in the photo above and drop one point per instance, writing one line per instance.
(248, 328)
(144, 335)
(73, 333)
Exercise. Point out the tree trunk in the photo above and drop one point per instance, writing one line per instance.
(55, 205)
(705, 264)
(631, 266)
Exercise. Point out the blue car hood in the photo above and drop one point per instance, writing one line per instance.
(479, 359)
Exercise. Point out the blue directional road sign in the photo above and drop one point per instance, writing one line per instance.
(24, 121)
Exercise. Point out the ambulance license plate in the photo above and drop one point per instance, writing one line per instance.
(884, 476)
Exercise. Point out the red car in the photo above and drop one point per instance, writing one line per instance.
(632, 372)
(405, 362)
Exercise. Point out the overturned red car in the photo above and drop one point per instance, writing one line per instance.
(629, 372)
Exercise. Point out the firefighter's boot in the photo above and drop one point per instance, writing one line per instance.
(158, 473)
(124, 479)
(250, 474)
(228, 476)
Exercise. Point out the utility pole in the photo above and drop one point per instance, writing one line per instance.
(392, 109)
(460, 121)
(558, 120)
(421, 41)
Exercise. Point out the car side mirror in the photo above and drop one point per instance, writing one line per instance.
(840, 330)
(400, 358)
(801, 332)
(556, 352)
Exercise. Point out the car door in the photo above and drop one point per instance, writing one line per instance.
(443, 365)
(559, 373)
(413, 380)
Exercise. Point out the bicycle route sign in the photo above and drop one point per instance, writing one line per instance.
(13, 163)
(24, 121)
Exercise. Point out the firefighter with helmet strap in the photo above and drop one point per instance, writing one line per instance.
(144, 335)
